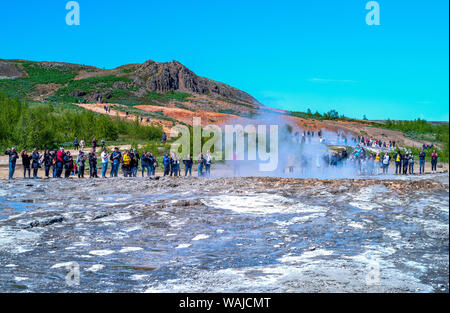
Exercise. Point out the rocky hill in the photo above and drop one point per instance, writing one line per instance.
(151, 83)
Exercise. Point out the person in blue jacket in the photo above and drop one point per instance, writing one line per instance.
(166, 163)
(116, 156)
(422, 156)
(13, 157)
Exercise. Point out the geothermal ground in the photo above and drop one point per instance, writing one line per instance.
(226, 235)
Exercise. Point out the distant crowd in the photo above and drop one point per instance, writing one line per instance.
(368, 163)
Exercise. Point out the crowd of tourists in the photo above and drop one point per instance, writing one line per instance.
(62, 163)
(366, 162)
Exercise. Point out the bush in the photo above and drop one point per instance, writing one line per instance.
(29, 125)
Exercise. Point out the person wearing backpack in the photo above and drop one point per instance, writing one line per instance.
(126, 164)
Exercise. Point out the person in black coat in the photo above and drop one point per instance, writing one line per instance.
(152, 163)
(145, 164)
(36, 164)
(405, 163)
(92, 164)
(26, 162)
(68, 164)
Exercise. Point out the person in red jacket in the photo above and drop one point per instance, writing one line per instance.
(434, 159)
(59, 162)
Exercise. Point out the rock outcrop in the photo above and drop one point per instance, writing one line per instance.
(9, 71)
(174, 76)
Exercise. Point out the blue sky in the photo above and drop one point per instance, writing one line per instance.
(288, 54)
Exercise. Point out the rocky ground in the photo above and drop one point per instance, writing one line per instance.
(226, 234)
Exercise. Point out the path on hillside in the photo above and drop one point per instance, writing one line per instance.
(186, 116)
(99, 108)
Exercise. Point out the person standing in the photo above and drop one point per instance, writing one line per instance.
(188, 165)
(176, 165)
(135, 162)
(145, 166)
(126, 164)
(82, 144)
(76, 144)
(105, 158)
(103, 143)
(434, 159)
(36, 162)
(53, 157)
(422, 156)
(81, 162)
(26, 163)
(59, 162)
(47, 161)
(166, 163)
(200, 162)
(152, 163)
(377, 163)
(115, 160)
(92, 164)
(172, 164)
(411, 164)
(405, 163)
(94, 144)
(164, 138)
(208, 161)
(398, 163)
(386, 160)
(13, 157)
(68, 164)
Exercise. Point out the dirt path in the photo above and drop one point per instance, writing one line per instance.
(99, 108)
